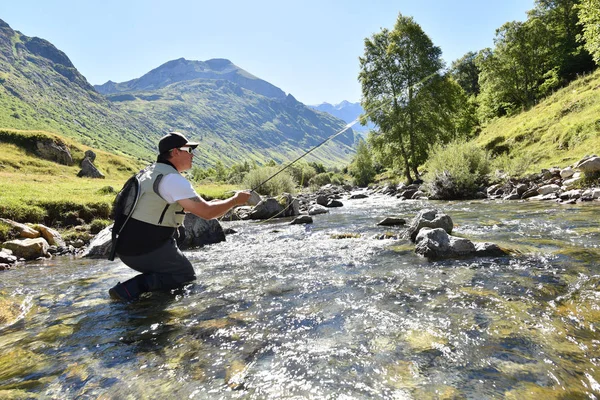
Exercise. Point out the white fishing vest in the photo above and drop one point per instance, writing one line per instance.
(151, 208)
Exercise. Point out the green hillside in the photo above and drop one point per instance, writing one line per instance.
(558, 131)
(234, 123)
(236, 116)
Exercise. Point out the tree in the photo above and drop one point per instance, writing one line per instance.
(362, 169)
(405, 95)
(519, 70)
(466, 73)
(563, 28)
(589, 19)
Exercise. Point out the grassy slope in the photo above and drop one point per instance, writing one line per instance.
(37, 190)
(557, 132)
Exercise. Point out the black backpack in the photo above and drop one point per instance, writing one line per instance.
(123, 207)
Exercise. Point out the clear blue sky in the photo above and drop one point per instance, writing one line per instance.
(308, 48)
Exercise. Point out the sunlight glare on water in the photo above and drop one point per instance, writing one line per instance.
(327, 311)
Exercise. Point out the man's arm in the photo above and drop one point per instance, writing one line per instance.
(214, 209)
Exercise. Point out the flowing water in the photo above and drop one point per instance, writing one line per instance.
(315, 311)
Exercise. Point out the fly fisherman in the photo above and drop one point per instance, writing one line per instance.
(145, 229)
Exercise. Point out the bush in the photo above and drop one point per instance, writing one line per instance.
(456, 171)
(321, 179)
(302, 173)
(282, 183)
(22, 212)
(512, 167)
(98, 224)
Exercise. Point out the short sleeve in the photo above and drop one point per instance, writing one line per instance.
(174, 187)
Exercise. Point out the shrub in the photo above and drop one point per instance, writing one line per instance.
(282, 183)
(22, 212)
(302, 173)
(321, 179)
(512, 167)
(98, 224)
(456, 171)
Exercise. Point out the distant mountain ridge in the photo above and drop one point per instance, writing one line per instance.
(186, 70)
(235, 115)
(346, 111)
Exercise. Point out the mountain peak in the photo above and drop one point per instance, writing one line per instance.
(181, 70)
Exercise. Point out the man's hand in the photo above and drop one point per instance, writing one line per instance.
(242, 197)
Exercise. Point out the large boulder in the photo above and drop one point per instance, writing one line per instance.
(23, 230)
(100, 245)
(429, 218)
(29, 249)
(267, 208)
(89, 170)
(432, 243)
(436, 244)
(548, 189)
(316, 209)
(589, 165)
(199, 232)
(51, 235)
(54, 151)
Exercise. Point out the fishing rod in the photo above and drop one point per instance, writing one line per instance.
(348, 126)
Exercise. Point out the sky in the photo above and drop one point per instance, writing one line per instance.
(307, 48)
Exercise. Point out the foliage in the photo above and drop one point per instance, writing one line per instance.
(456, 170)
(326, 178)
(512, 167)
(589, 19)
(282, 183)
(6, 232)
(407, 97)
(466, 73)
(559, 131)
(562, 21)
(302, 172)
(98, 224)
(513, 73)
(362, 169)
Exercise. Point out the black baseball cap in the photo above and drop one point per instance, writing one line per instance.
(173, 140)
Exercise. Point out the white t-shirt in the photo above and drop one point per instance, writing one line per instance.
(174, 187)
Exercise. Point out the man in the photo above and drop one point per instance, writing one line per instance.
(147, 242)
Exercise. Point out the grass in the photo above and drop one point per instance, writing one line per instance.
(557, 132)
(41, 191)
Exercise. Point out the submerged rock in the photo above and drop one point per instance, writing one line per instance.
(391, 221)
(303, 219)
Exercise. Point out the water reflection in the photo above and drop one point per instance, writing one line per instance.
(283, 311)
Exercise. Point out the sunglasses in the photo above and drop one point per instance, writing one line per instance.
(188, 149)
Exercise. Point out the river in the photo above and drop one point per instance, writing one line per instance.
(326, 311)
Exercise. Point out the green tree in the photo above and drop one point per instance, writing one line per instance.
(519, 70)
(220, 172)
(362, 169)
(405, 95)
(466, 73)
(589, 18)
(563, 28)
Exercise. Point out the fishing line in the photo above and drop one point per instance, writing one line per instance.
(348, 126)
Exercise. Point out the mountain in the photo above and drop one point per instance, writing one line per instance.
(235, 115)
(185, 70)
(347, 112)
(41, 89)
